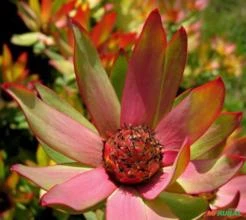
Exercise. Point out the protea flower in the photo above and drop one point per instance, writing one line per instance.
(132, 155)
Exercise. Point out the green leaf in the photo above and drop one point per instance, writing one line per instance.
(2, 170)
(243, 169)
(42, 157)
(184, 206)
(52, 55)
(38, 47)
(57, 4)
(118, 74)
(96, 215)
(35, 6)
(63, 66)
(29, 17)
(54, 155)
(26, 39)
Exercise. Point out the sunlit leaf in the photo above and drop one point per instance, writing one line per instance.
(185, 207)
(26, 39)
(118, 74)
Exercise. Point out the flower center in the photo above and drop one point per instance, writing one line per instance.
(132, 155)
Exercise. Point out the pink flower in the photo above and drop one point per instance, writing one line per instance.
(137, 149)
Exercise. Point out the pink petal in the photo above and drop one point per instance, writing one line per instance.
(159, 182)
(57, 130)
(81, 192)
(125, 204)
(142, 84)
(227, 192)
(207, 175)
(192, 116)
(47, 177)
(94, 85)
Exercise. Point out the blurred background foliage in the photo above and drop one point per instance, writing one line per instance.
(36, 46)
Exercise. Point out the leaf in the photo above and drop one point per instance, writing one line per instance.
(42, 157)
(26, 39)
(185, 207)
(118, 74)
(56, 129)
(207, 145)
(29, 16)
(2, 171)
(63, 66)
(54, 155)
(102, 30)
(94, 84)
(49, 97)
(35, 6)
(207, 175)
(173, 67)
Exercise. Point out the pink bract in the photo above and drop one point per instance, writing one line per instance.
(154, 73)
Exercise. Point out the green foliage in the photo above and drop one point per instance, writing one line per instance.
(118, 75)
(185, 207)
(226, 18)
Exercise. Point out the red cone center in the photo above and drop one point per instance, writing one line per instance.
(132, 155)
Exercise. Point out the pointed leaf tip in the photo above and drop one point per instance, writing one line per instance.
(183, 36)
(154, 21)
(182, 31)
(155, 12)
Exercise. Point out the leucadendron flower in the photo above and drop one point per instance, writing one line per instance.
(133, 152)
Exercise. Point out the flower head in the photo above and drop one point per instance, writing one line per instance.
(133, 152)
